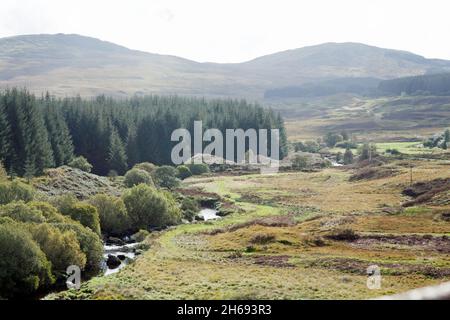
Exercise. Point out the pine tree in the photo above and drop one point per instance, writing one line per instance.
(5, 134)
(117, 158)
(29, 170)
(58, 134)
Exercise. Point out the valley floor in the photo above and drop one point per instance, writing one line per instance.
(300, 236)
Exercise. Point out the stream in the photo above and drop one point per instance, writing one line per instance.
(116, 257)
(208, 214)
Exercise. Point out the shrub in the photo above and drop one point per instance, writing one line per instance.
(183, 172)
(61, 247)
(344, 235)
(64, 203)
(347, 145)
(23, 266)
(308, 146)
(367, 151)
(20, 212)
(86, 214)
(81, 163)
(140, 236)
(113, 214)
(49, 212)
(190, 208)
(166, 177)
(112, 175)
(331, 139)
(198, 169)
(146, 166)
(135, 177)
(300, 162)
(262, 238)
(394, 152)
(149, 208)
(15, 191)
(90, 244)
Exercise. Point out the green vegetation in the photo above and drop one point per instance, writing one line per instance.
(439, 141)
(135, 177)
(166, 177)
(113, 214)
(190, 208)
(24, 268)
(183, 172)
(81, 163)
(146, 166)
(433, 84)
(85, 214)
(15, 191)
(198, 168)
(149, 208)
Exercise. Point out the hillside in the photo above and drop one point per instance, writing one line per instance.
(73, 64)
(435, 84)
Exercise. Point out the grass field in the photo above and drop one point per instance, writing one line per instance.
(300, 236)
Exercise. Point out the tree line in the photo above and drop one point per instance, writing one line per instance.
(434, 84)
(114, 135)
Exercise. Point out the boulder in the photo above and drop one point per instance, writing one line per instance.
(113, 262)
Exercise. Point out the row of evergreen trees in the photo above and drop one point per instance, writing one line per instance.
(38, 133)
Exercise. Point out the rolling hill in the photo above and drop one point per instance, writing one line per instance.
(74, 64)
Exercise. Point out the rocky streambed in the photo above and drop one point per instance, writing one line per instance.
(117, 256)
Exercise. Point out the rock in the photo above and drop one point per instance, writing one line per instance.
(116, 241)
(121, 257)
(199, 218)
(113, 262)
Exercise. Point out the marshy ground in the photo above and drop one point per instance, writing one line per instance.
(298, 235)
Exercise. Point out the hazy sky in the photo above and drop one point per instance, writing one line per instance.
(237, 30)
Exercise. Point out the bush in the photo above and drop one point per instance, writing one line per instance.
(90, 244)
(198, 169)
(190, 208)
(300, 162)
(331, 139)
(15, 191)
(308, 146)
(113, 214)
(183, 172)
(64, 203)
(367, 151)
(85, 214)
(61, 247)
(20, 212)
(343, 235)
(262, 238)
(135, 177)
(146, 166)
(140, 236)
(166, 177)
(149, 208)
(23, 266)
(49, 212)
(81, 163)
(112, 175)
(347, 145)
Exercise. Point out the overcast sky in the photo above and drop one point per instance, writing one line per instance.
(237, 30)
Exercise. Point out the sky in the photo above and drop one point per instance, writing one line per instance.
(237, 30)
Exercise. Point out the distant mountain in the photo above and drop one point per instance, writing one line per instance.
(73, 64)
